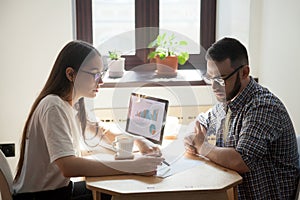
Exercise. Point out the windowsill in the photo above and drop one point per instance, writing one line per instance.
(189, 77)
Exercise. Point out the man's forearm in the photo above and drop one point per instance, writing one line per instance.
(224, 156)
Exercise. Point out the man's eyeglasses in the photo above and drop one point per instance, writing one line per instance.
(220, 80)
(97, 76)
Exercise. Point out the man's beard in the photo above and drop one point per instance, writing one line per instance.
(235, 90)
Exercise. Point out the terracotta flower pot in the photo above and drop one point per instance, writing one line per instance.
(167, 66)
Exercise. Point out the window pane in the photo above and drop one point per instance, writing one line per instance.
(182, 16)
(113, 25)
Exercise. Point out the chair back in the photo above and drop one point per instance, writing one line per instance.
(298, 189)
(298, 144)
(6, 178)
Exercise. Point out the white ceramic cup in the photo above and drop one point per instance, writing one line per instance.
(123, 145)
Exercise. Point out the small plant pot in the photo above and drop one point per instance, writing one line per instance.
(167, 66)
(116, 68)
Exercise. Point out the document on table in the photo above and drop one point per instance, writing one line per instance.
(174, 154)
(180, 165)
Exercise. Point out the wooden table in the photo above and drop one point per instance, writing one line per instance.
(207, 181)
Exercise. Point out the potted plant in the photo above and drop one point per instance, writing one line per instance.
(116, 64)
(166, 54)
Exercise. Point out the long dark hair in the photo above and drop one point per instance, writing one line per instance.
(72, 55)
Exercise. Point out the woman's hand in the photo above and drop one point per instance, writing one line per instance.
(148, 165)
(147, 147)
(108, 136)
(102, 131)
(141, 165)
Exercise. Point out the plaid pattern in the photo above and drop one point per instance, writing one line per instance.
(262, 132)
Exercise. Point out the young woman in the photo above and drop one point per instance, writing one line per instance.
(50, 152)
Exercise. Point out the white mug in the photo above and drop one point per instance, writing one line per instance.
(123, 145)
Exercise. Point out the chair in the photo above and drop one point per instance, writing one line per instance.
(6, 178)
(298, 189)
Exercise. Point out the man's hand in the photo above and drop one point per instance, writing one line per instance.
(200, 133)
(189, 144)
(193, 141)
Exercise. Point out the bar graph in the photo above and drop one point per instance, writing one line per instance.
(148, 114)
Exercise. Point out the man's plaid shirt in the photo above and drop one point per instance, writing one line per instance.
(262, 132)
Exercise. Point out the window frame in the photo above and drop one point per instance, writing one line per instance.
(146, 15)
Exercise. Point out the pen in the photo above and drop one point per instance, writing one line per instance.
(165, 162)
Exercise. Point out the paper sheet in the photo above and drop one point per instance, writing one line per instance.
(180, 165)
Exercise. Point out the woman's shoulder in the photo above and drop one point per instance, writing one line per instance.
(52, 100)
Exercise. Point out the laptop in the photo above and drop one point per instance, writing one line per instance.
(146, 117)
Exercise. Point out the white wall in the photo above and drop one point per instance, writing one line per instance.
(32, 33)
(233, 20)
(280, 50)
(270, 29)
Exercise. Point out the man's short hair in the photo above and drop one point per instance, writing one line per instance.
(228, 48)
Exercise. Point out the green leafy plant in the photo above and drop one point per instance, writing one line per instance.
(167, 46)
(114, 55)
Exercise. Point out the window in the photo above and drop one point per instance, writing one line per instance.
(183, 17)
(138, 14)
(111, 20)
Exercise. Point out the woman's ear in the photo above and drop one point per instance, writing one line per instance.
(70, 74)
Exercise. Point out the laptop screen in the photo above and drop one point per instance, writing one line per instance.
(147, 117)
